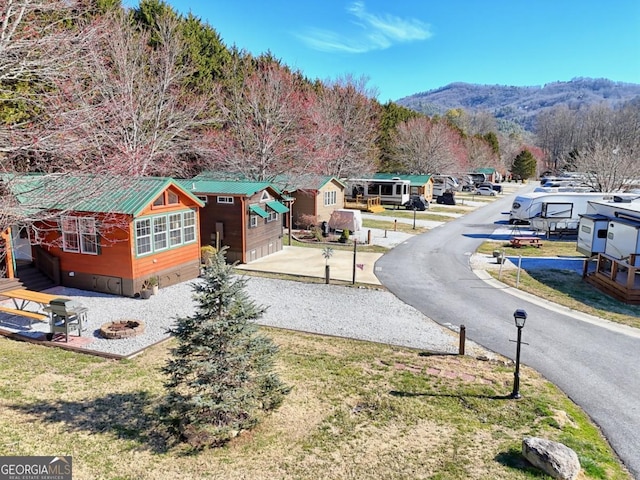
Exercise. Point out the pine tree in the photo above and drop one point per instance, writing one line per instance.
(524, 165)
(221, 374)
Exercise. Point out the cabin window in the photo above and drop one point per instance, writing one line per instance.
(143, 236)
(158, 202)
(272, 216)
(189, 226)
(227, 200)
(79, 235)
(162, 232)
(253, 221)
(602, 233)
(172, 198)
(330, 198)
(175, 229)
(88, 236)
(264, 197)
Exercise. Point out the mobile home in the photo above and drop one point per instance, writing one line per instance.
(394, 191)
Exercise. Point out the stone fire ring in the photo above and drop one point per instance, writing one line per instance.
(120, 329)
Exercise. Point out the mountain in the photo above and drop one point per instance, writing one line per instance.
(521, 105)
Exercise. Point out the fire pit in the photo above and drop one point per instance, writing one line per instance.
(122, 329)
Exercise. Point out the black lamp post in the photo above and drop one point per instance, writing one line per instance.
(520, 317)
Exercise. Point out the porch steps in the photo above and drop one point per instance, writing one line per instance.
(33, 279)
(376, 209)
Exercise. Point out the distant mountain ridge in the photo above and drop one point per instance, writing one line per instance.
(520, 105)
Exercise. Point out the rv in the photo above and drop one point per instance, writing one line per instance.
(553, 212)
(392, 192)
(611, 227)
(445, 183)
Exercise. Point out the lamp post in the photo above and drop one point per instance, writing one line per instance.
(414, 217)
(520, 317)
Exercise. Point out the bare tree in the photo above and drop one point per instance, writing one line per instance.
(558, 134)
(126, 110)
(423, 146)
(39, 41)
(346, 118)
(263, 131)
(609, 147)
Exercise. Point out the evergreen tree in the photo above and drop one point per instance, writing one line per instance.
(221, 373)
(524, 165)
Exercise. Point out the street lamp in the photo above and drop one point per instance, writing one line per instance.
(414, 217)
(520, 317)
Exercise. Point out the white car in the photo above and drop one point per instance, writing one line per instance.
(486, 191)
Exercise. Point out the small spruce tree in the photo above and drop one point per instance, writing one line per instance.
(220, 376)
(524, 165)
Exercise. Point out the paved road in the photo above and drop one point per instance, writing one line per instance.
(596, 366)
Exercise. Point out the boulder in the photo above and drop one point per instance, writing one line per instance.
(553, 458)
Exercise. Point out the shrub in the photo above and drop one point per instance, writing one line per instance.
(307, 222)
(206, 254)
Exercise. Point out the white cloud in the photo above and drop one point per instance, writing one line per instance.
(375, 32)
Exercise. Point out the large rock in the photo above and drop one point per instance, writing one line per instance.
(555, 459)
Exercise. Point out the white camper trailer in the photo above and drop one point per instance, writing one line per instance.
(553, 212)
(393, 192)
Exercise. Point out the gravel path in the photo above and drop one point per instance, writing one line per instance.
(364, 314)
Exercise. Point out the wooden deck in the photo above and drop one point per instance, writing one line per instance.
(617, 278)
(372, 204)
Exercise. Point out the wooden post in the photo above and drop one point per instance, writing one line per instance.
(369, 237)
(395, 225)
(463, 338)
(326, 274)
(355, 249)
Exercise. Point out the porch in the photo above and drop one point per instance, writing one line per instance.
(370, 204)
(618, 278)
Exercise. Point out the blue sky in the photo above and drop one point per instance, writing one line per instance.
(411, 46)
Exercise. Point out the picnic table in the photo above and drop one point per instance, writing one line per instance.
(518, 242)
(22, 298)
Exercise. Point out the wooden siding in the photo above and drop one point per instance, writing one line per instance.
(311, 202)
(231, 217)
(324, 212)
(305, 204)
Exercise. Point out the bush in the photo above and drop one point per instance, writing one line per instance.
(307, 222)
(206, 254)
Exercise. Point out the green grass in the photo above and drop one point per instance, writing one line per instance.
(419, 215)
(549, 248)
(357, 410)
(567, 288)
(393, 226)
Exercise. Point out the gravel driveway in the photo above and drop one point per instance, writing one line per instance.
(358, 313)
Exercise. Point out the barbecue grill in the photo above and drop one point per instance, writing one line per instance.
(66, 316)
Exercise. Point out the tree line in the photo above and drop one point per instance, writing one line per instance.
(89, 86)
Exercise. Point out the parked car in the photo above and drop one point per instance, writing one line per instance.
(417, 202)
(486, 191)
(493, 186)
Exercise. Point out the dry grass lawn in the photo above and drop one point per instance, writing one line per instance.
(357, 410)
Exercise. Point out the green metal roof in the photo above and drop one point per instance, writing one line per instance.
(489, 170)
(416, 180)
(224, 187)
(91, 193)
(277, 207)
(259, 211)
